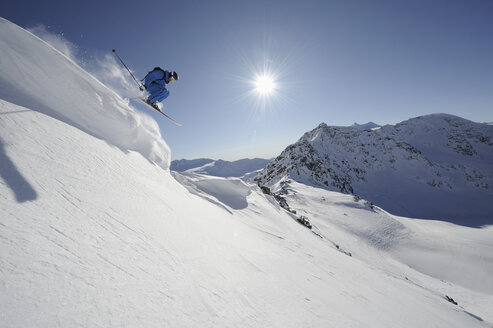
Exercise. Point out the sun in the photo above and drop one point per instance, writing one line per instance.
(264, 84)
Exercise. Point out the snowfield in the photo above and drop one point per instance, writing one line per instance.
(96, 232)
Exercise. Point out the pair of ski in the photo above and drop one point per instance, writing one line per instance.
(144, 100)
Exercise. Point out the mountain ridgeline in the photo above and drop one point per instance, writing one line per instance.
(187, 164)
(219, 168)
(432, 167)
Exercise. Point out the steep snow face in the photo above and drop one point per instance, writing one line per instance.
(434, 167)
(35, 75)
(221, 168)
(93, 235)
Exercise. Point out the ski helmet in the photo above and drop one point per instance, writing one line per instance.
(173, 76)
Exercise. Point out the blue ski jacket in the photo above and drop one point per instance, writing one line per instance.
(155, 83)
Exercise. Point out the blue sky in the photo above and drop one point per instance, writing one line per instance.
(337, 62)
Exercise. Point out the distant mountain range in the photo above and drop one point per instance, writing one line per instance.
(433, 167)
(219, 167)
(182, 165)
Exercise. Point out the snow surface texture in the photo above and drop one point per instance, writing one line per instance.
(432, 167)
(446, 251)
(35, 75)
(93, 236)
(220, 168)
(230, 192)
(110, 238)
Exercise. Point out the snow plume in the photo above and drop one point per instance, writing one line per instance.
(57, 41)
(37, 76)
(104, 67)
(112, 74)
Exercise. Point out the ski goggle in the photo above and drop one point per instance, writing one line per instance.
(172, 79)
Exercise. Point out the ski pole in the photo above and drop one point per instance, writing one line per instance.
(116, 54)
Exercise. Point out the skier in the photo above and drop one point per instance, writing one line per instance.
(155, 84)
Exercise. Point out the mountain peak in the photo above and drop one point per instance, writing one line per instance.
(366, 126)
(437, 166)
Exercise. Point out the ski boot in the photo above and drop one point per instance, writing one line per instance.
(153, 105)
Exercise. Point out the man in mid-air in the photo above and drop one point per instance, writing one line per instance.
(155, 84)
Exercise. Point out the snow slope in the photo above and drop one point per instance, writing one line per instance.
(37, 76)
(94, 235)
(446, 251)
(230, 192)
(108, 238)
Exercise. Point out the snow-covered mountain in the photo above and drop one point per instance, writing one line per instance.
(366, 126)
(181, 165)
(220, 168)
(433, 167)
(96, 231)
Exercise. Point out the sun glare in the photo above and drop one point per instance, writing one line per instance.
(262, 79)
(264, 84)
